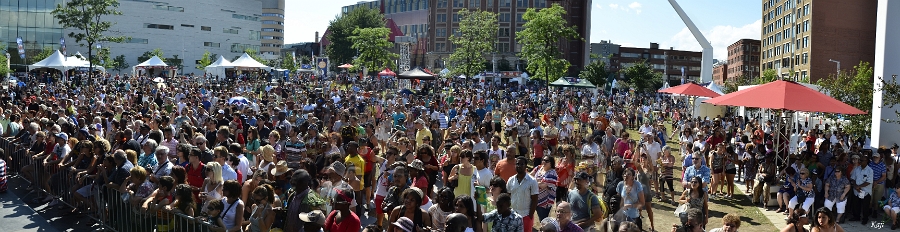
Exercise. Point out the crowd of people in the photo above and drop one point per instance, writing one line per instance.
(454, 156)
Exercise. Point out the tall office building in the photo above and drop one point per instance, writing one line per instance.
(443, 21)
(806, 39)
(409, 16)
(272, 33)
(33, 22)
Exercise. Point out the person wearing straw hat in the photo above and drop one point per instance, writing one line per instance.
(280, 169)
(267, 158)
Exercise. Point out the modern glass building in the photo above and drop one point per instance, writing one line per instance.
(32, 21)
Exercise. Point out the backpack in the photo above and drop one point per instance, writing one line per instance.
(603, 207)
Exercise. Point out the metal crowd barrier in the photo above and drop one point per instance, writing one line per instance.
(110, 208)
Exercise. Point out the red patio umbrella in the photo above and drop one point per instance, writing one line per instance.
(387, 72)
(346, 66)
(690, 89)
(785, 95)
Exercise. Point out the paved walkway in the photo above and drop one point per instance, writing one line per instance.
(777, 219)
(18, 216)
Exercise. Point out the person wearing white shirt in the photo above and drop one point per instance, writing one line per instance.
(646, 128)
(523, 190)
(221, 157)
(794, 142)
(244, 163)
(861, 184)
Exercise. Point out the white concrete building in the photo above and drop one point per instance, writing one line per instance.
(183, 28)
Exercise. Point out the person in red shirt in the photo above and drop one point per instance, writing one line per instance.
(342, 218)
(195, 172)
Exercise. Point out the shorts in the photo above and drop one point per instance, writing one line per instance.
(895, 209)
(786, 190)
(732, 171)
(379, 200)
(367, 179)
(718, 171)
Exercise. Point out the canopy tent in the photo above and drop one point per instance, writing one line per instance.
(247, 62)
(59, 62)
(785, 95)
(153, 62)
(714, 87)
(217, 69)
(690, 89)
(582, 83)
(387, 72)
(665, 86)
(416, 73)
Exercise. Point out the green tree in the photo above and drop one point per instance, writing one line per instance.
(120, 63)
(287, 62)
(149, 54)
(477, 36)
(540, 41)
(104, 58)
(732, 86)
(205, 60)
(3, 69)
(642, 77)
(767, 76)
(176, 62)
(46, 52)
(341, 28)
(255, 55)
(890, 90)
(854, 87)
(86, 17)
(596, 72)
(373, 46)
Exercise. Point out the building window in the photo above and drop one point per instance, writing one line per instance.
(168, 8)
(272, 30)
(272, 37)
(519, 18)
(505, 3)
(245, 17)
(187, 25)
(504, 17)
(440, 32)
(456, 33)
(205, 28)
(210, 44)
(475, 3)
(503, 47)
(504, 32)
(458, 4)
(272, 15)
(540, 3)
(229, 30)
(805, 25)
(159, 26)
(805, 41)
(630, 55)
(440, 47)
(442, 3)
(272, 22)
(805, 57)
(521, 3)
(490, 3)
(254, 35)
(806, 9)
(441, 18)
(136, 40)
(803, 74)
(456, 18)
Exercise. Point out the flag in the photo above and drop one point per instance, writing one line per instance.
(21, 47)
(62, 46)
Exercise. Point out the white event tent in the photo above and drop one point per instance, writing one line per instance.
(218, 68)
(245, 62)
(59, 62)
(152, 63)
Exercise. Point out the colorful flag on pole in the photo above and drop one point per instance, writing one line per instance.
(20, 47)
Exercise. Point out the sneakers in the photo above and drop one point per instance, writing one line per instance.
(54, 203)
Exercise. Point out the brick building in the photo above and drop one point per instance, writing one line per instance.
(670, 62)
(807, 38)
(720, 72)
(743, 60)
(443, 22)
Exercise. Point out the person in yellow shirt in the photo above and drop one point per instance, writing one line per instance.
(357, 161)
(421, 132)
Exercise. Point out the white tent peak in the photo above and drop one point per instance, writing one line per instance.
(55, 60)
(221, 62)
(153, 62)
(247, 61)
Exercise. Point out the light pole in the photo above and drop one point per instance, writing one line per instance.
(838, 65)
(8, 69)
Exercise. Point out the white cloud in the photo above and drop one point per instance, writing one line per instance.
(598, 6)
(720, 37)
(614, 6)
(635, 6)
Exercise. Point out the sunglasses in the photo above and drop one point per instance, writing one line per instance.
(695, 158)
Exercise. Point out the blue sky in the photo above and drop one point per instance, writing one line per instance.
(627, 22)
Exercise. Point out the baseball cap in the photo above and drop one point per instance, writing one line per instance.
(62, 135)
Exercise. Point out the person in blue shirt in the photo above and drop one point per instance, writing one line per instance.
(480, 112)
(697, 169)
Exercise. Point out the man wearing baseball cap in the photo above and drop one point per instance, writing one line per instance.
(585, 206)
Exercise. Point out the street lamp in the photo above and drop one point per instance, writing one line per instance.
(838, 65)
(9, 69)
